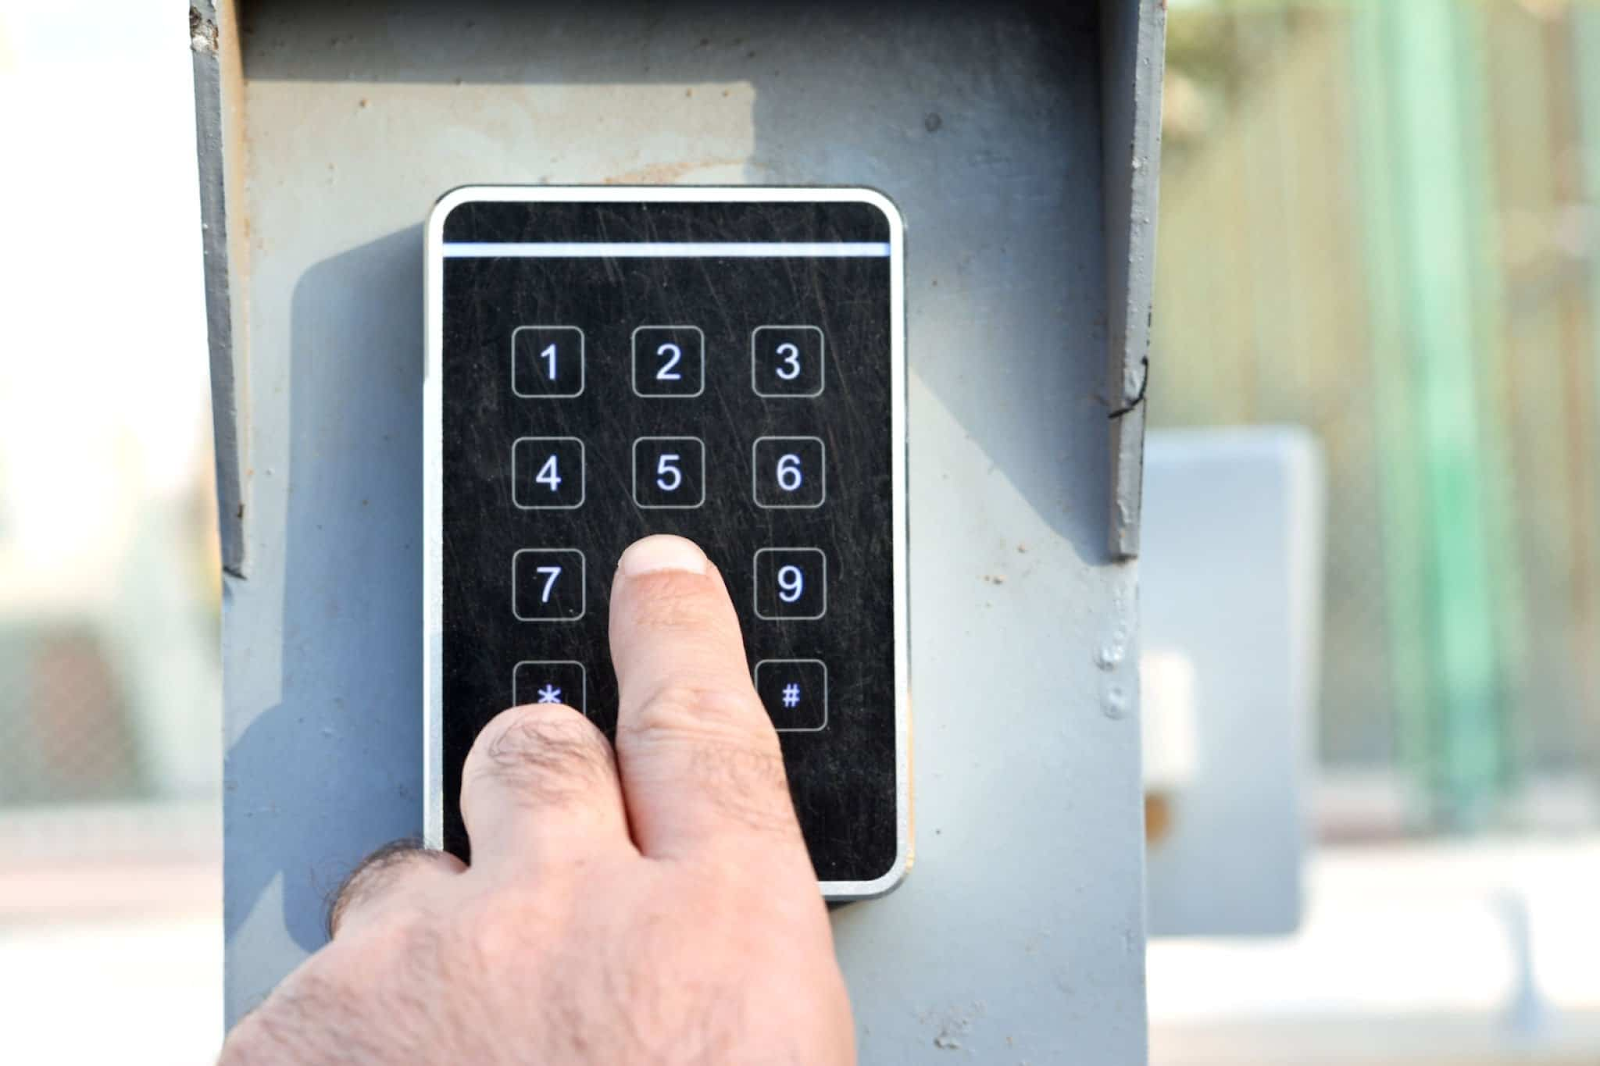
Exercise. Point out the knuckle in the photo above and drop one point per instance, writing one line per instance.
(374, 874)
(546, 751)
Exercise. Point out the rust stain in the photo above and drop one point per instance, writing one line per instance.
(665, 173)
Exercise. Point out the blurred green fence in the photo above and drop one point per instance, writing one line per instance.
(1379, 220)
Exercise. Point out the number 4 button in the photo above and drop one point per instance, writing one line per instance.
(547, 473)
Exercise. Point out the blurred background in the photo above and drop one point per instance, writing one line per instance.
(1380, 223)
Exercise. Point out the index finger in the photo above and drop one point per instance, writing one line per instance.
(700, 762)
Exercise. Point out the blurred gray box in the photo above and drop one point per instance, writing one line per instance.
(1231, 601)
(1020, 143)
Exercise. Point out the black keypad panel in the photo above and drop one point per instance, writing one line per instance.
(718, 370)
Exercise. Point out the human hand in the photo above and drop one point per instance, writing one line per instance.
(655, 905)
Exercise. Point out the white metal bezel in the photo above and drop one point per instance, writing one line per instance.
(432, 466)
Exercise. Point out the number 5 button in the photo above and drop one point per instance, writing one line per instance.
(789, 472)
(669, 472)
(791, 583)
(547, 585)
(786, 361)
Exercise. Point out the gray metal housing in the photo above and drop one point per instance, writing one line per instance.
(1022, 147)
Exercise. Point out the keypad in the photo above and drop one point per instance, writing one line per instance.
(727, 366)
(674, 472)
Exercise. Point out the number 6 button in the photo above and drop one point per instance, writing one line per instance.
(547, 585)
(786, 361)
(669, 361)
(789, 472)
(791, 583)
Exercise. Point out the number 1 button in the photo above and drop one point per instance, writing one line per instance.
(546, 362)
(786, 361)
(669, 361)
(547, 585)
(669, 472)
(791, 583)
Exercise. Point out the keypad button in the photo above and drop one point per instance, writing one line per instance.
(535, 681)
(669, 472)
(795, 693)
(547, 585)
(787, 361)
(547, 473)
(546, 362)
(669, 361)
(789, 472)
(791, 583)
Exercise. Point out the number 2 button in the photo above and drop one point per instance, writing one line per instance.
(669, 361)
(791, 583)
(789, 472)
(547, 473)
(547, 585)
(786, 361)
(546, 362)
(669, 472)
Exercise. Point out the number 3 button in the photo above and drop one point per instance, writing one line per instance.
(791, 583)
(786, 361)
(789, 472)
(669, 472)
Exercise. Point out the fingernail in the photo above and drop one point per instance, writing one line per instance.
(662, 552)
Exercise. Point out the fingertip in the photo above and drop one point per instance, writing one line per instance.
(661, 553)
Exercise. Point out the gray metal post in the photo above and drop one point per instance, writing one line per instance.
(1021, 148)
